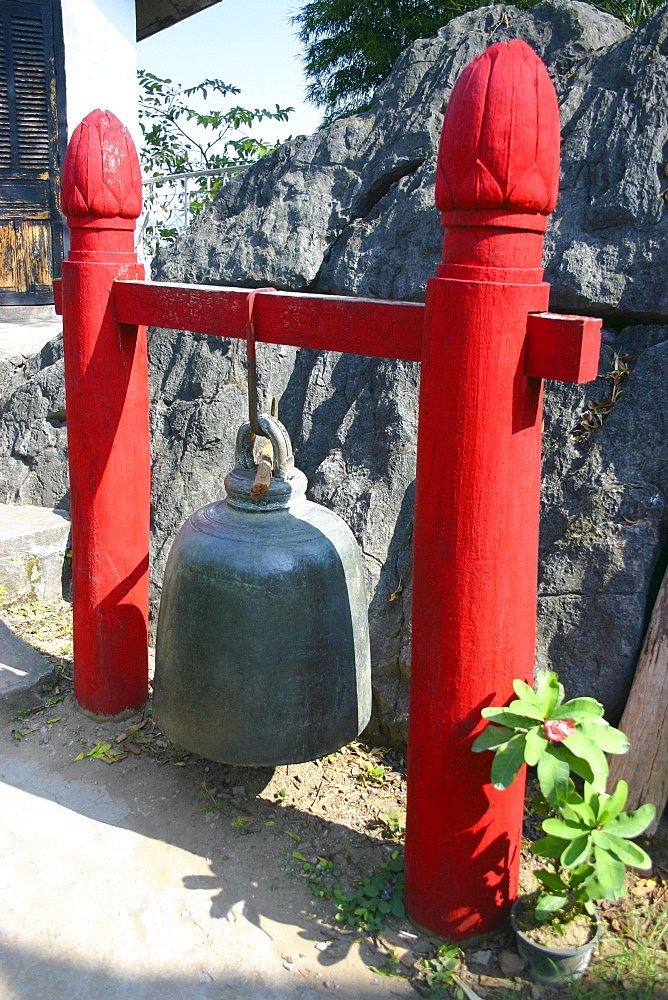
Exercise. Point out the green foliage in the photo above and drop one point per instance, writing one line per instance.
(587, 846)
(587, 836)
(439, 969)
(178, 138)
(350, 47)
(394, 822)
(523, 733)
(211, 803)
(375, 899)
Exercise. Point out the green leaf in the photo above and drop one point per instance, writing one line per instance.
(575, 764)
(508, 759)
(79, 756)
(608, 878)
(548, 691)
(628, 852)
(579, 812)
(526, 693)
(609, 739)
(578, 852)
(630, 824)
(578, 709)
(504, 717)
(548, 904)
(550, 880)
(536, 744)
(491, 738)
(601, 839)
(583, 747)
(553, 777)
(579, 874)
(567, 831)
(613, 804)
(526, 709)
(549, 847)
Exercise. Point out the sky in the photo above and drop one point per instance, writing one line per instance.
(248, 43)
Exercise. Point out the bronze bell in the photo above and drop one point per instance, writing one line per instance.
(262, 651)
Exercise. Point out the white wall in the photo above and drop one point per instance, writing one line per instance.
(100, 60)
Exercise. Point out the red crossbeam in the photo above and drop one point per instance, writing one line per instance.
(375, 327)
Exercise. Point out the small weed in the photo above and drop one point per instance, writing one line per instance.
(373, 901)
(394, 822)
(597, 411)
(638, 970)
(280, 795)
(439, 970)
(23, 713)
(3, 593)
(18, 734)
(242, 823)
(374, 774)
(30, 611)
(209, 794)
(392, 968)
(54, 701)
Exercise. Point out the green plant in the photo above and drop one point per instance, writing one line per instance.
(394, 822)
(637, 967)
(391, 968)
(588, 848)
(558, 737)
(374, 773)
(375, 899)
(242, 823)
(211, 803)
(178, 138)
(438, 970)
(587, 845)
(23, 713)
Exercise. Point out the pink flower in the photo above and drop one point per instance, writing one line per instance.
(557, 730)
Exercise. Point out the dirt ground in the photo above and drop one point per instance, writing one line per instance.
(304, 830)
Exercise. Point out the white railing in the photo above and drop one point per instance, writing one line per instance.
(170, 207)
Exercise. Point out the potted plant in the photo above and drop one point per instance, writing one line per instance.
(587, 846)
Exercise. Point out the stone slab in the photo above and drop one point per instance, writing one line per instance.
(33, 542)
(22, 671)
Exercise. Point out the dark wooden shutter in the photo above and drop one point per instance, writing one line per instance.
(29, 165)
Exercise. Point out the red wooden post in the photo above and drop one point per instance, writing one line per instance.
(106, 383)
(477, 493)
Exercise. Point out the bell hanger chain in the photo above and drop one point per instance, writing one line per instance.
(253, 410)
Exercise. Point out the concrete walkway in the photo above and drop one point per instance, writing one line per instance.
(27, 335)
(115, 885)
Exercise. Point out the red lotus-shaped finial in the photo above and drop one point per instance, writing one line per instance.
(500, 141)
(101, 173)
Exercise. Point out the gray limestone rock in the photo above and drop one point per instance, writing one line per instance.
(33, 435)
(350, 211)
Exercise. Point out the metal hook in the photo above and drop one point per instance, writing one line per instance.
(253, 412)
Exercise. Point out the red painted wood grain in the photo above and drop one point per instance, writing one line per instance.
(326, 322)
(106, 384)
